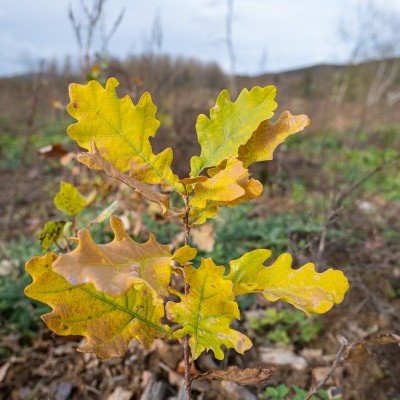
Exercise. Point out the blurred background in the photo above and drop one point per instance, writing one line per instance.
(332, 192)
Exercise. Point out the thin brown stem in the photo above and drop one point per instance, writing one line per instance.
(186, 348)
(318, 385)
(74, 226)
(68, 246)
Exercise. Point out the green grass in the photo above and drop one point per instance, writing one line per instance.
(347, 156)
(16, 310)
(352, 164)
(286, 327)
(12, 143)
(238, 231)
(292, 392)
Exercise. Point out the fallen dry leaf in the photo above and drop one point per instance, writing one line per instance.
(359, 351)
(242, 377)
(55, 150)
(203, 237)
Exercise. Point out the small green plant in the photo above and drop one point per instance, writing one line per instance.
(119, 291)
(286, 326)
(293, 392)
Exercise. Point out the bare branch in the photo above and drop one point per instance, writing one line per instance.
(317, 386)
(229, 44)
(336, 200)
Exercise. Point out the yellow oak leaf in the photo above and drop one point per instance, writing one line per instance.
(121, 131)
(252, 189)
(269, 136)
(304, 288)
(231, 125)
(198, 216)
(68, 199)
(228, 185)
(244, 271)
(108, 323)
(207, 311)
(114, 267)
(222, 186)
(193, 180)
(184, 254)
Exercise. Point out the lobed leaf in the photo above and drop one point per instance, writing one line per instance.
(114, 267)
(269, 136)
(231, 125)
(207, 311)
(304, 288)
(108, 323)
(120, 130)
(68, 199)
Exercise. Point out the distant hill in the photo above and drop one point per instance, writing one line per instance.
(336, 96)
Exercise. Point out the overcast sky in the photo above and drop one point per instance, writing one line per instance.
(268, 35)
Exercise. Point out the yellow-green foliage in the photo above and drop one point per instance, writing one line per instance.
(115, 292)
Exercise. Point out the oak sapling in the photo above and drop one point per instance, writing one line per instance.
(115, 292)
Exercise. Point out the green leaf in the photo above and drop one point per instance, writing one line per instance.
(121, 131)
(207, 311)
(282, 390)
(51, 232)
(231, 124)
(271, 391)
(68, 199)
(108, 323)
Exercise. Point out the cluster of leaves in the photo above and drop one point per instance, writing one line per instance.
(115, 292)
(71, 203)
(286, 326)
